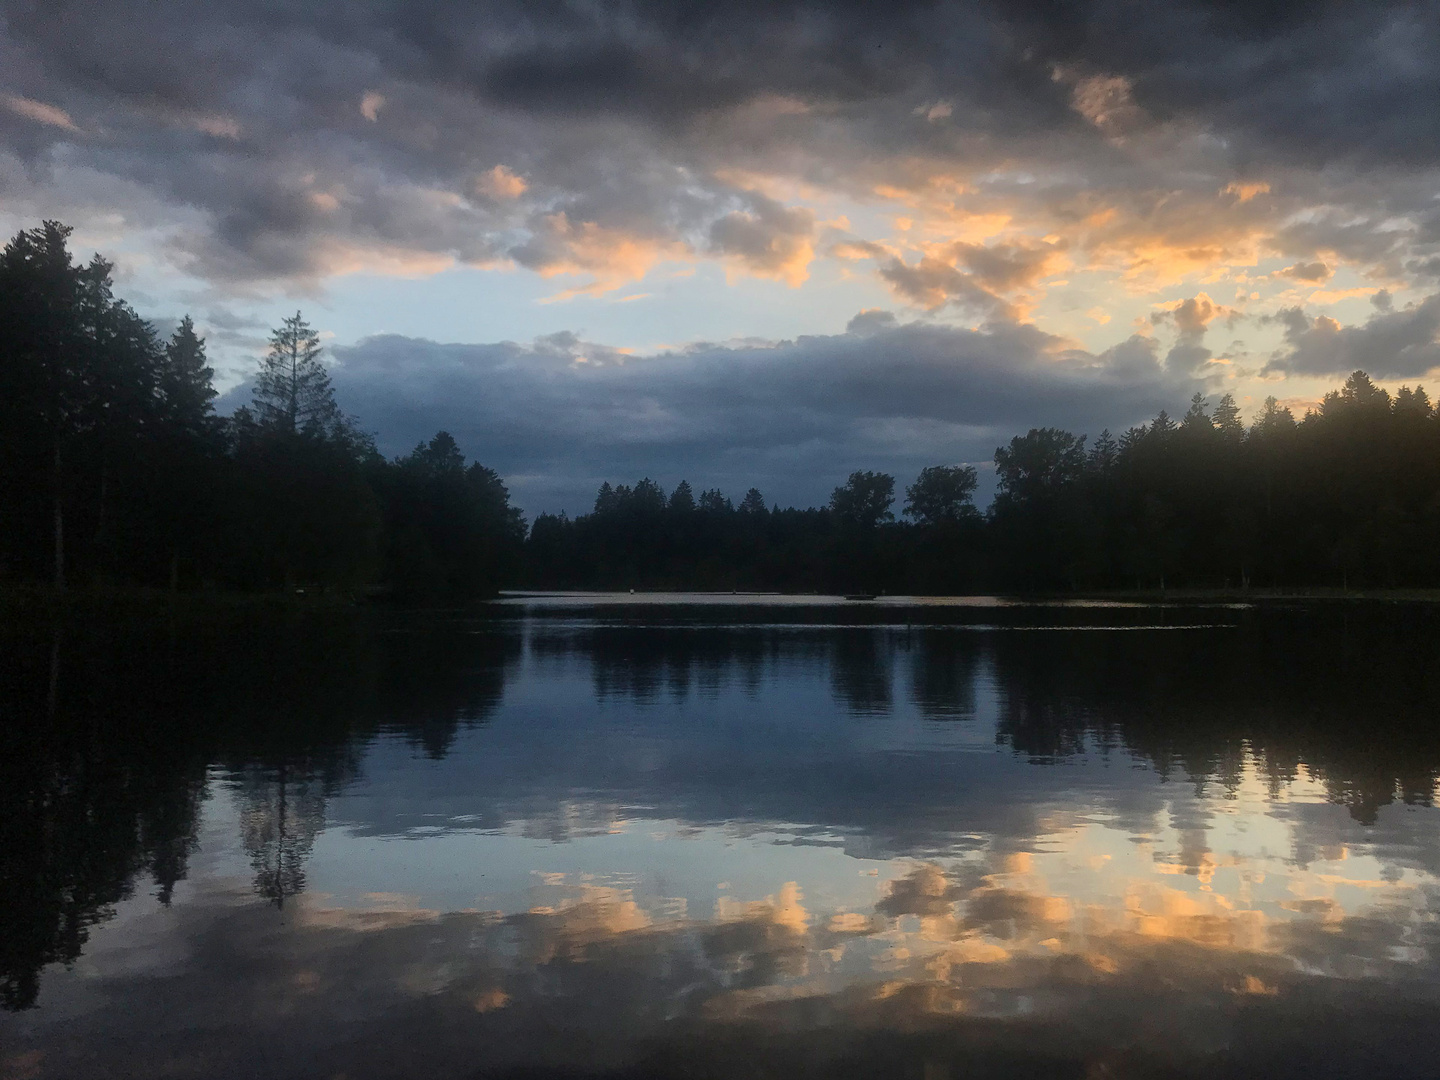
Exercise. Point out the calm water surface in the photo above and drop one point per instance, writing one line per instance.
(733, 836)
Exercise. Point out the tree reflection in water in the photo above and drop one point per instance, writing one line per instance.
(109, 724)
(282, 816)
(112, 744)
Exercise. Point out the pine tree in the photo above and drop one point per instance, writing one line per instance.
(78, 386)
(1273, 419)
(753, 503)
(1227, 419)
(682, 499)
(1103, 453)
(41, 388)
(1411, 403)
(186, 386)
(712, 500)
(293, 391)
(648, 498)
(605, 501)
(1196, 417)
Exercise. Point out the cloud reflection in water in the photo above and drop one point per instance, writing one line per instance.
(807, 850)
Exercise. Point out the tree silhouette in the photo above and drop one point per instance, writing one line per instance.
(292, 389)
(114, 469)
(186, 381)
(78, 392)
(682, 499)
(864, 499)
(1227, 420)
(1197, 417)
(942, 493)
(1039, 463)
(753, 503)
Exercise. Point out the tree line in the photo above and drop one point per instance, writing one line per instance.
(115, 468)
(1347, 496)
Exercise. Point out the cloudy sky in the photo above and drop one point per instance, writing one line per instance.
(749, 242)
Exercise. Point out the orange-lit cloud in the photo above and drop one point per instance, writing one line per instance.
(609, 257)
(501, 183)
(767, 240)
(371, 102)
(38, 111)
(1105, 101)
(1246, 191)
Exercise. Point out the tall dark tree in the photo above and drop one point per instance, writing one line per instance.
(942, 493)
(864, 499)
(753, 503)
(308, 511)
(78, 388)
(1197, 417)
(1227, 420)
(292, 389)
(188, 452)
(1039, 463)
(453, 535)
(682, 499)
(46, 386)
(1034, 518)
(1103, 453)
(187, 382)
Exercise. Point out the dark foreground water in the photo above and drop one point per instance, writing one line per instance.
(722, 839)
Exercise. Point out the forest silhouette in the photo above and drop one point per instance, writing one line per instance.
(115, 470)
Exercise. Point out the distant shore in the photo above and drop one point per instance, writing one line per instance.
(34, 600)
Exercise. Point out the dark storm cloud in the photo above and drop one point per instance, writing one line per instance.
(252, 115)
(1392, 344)
(1312, 81)
(626, 115)
(559, 415)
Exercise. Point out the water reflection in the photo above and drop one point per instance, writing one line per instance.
(943, 675)
(659, 842)
(860, 668)
(281, 818)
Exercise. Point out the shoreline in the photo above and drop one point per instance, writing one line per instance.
(44, 600)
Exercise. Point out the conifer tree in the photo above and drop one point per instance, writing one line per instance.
(186, 385)
(753, 503)
(714, 501)
(682, 499)
(1196, 418)
(1104, 453)
(1227, 419)
(293, 391)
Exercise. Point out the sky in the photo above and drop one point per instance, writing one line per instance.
(749, 243)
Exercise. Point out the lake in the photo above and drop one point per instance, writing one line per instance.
(723, 836)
